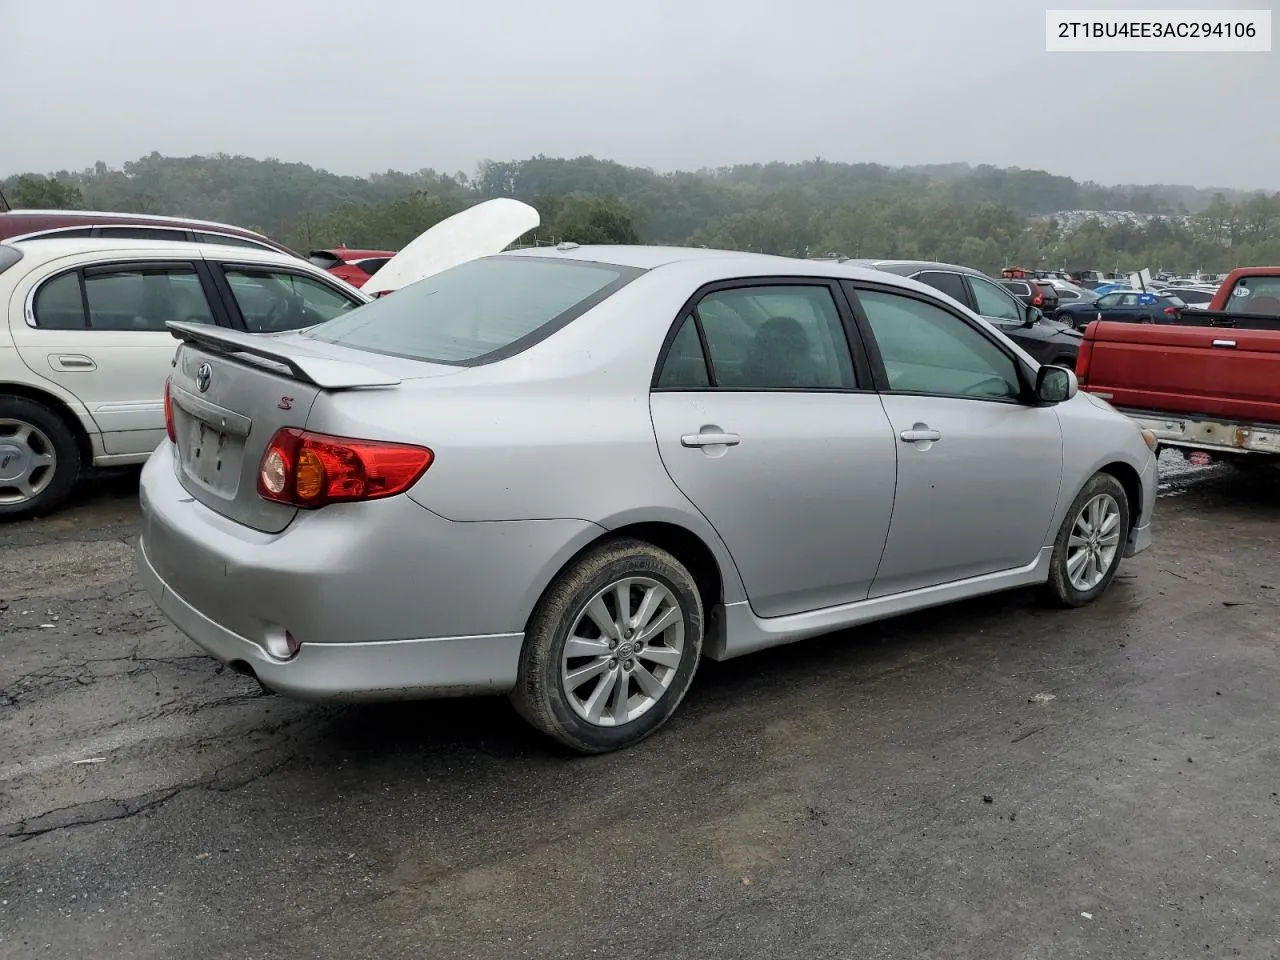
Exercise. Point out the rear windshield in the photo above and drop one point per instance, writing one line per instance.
(324, 260)
(1255, 295)
(479, 311)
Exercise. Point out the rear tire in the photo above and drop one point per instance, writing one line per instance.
(39, 459)
(597, 677)
(1090, 544)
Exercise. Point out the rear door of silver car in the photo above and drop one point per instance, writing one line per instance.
(767, 421)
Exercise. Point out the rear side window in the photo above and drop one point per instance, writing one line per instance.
(145, 298)
(142, 233)
(685, 367)
(785, 337)
(479, 311)
(58, 304)
(952, 284)
(8, 257)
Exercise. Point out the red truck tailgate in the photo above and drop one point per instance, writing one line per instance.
(1221, 372)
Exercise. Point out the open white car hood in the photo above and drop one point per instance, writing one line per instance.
(479, 231)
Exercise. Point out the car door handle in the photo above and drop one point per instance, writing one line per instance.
(72, 361)
(1225, 344)
(710, 440)
(920, 432)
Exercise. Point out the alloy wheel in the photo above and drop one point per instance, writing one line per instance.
(623, 651)
(1094, 540)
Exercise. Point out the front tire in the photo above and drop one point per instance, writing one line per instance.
(611, 648)
(1090, 543)
(39, 459)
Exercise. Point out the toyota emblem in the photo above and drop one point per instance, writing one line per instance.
(203, 376)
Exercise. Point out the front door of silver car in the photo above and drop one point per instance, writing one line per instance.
(979, 468)
(766, 424)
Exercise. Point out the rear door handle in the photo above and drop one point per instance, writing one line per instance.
(710, 440)
(1226, 344)
(72, 361)
(920, 432)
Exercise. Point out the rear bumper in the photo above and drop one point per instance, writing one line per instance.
(388, 600)
(1198, 433)
(400, 669)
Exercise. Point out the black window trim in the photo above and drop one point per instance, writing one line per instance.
(117, 266)
(862, 372)
(1026, 377)
(218, 274)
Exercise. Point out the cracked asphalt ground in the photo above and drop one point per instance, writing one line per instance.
(989, 780)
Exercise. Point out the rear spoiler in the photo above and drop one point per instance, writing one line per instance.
(1234, 321)
(322, 372)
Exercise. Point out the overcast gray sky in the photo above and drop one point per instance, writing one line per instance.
(364, 85)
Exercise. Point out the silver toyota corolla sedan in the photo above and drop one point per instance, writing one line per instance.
(569, 473)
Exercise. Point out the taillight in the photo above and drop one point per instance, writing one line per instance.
(313, 469)
(1038, 299)
(1170, 311)
(1082, 360)
(168, 413)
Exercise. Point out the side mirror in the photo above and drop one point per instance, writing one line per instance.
(1055, 384)
(1034, 316)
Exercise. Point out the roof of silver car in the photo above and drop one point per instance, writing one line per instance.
(642, 257)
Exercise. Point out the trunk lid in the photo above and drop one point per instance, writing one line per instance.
(231, 391)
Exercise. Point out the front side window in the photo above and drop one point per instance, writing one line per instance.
(784, 337)
(994, 302)
(478, 311)
(272, 301)
(926, 349)
(1108, 301)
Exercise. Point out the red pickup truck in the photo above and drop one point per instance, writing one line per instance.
(1207, 383)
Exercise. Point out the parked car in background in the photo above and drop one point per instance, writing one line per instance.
(1046, 340)
(353, 266)
(1196, 298)
(366, 540)
(80, 224)
(1069, 292)
(1215, 390)
(1036, 293)
(1125, 306)
(82, 383)
(1103, 289)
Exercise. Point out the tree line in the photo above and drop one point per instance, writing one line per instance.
(981, 216)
